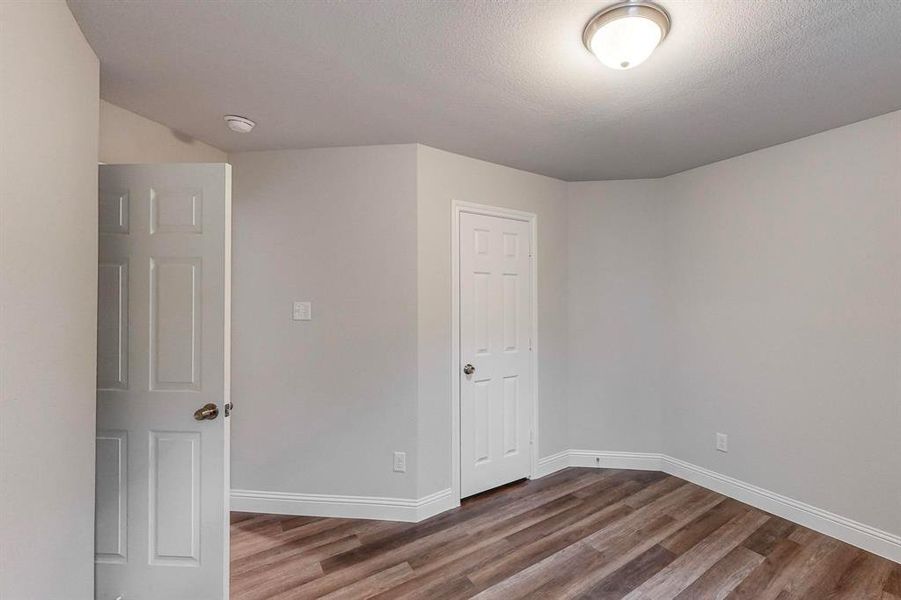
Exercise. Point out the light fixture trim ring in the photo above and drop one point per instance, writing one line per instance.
(239, 124)
(622, 10)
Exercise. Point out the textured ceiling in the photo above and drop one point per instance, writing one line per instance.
(508, 82)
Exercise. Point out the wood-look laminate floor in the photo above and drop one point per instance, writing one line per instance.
(579, 533)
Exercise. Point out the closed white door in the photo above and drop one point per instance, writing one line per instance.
(163, 353)
(495, 325)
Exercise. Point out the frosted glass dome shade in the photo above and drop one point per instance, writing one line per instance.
(624, 36)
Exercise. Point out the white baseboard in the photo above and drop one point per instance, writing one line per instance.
(848, 530)
(436, 503)
(639, 461)
(348, 507)
(858, 534)
(551, 464)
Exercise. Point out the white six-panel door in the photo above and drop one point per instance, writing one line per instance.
(163, 352)
(495, 328)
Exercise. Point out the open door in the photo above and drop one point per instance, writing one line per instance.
(163, 382)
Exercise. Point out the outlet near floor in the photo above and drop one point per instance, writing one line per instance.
(722, 442)
(400, 462)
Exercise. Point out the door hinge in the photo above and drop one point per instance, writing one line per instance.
(531, 437)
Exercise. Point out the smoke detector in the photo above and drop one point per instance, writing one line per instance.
(239, 124)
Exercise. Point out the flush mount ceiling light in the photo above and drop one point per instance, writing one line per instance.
(239, 124)
(624, 35)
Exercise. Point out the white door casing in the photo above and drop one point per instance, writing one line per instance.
(495, 328)
(163, 352)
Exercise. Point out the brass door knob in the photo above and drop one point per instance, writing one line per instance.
(469, 369)
(207, 412)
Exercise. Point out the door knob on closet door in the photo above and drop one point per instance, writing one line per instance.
(469, 369)
(207, 412)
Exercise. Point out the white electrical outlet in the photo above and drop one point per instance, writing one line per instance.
(303, 311)
(400, 462)
(722, 442)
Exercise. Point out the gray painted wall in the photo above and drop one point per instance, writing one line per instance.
(617, 324)
(48, 302)
(126, 137)
(785, 297)
(442, 178)
(758, 297)
(321, 405)
(364, 233)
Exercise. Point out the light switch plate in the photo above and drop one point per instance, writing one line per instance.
(303, 311)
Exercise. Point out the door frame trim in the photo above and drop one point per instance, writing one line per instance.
(459, 207)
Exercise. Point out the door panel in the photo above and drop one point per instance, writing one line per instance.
(112, 497)
(175, 324)
(495, 325)
(163, 352)
(174, 498)
(112, 330)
